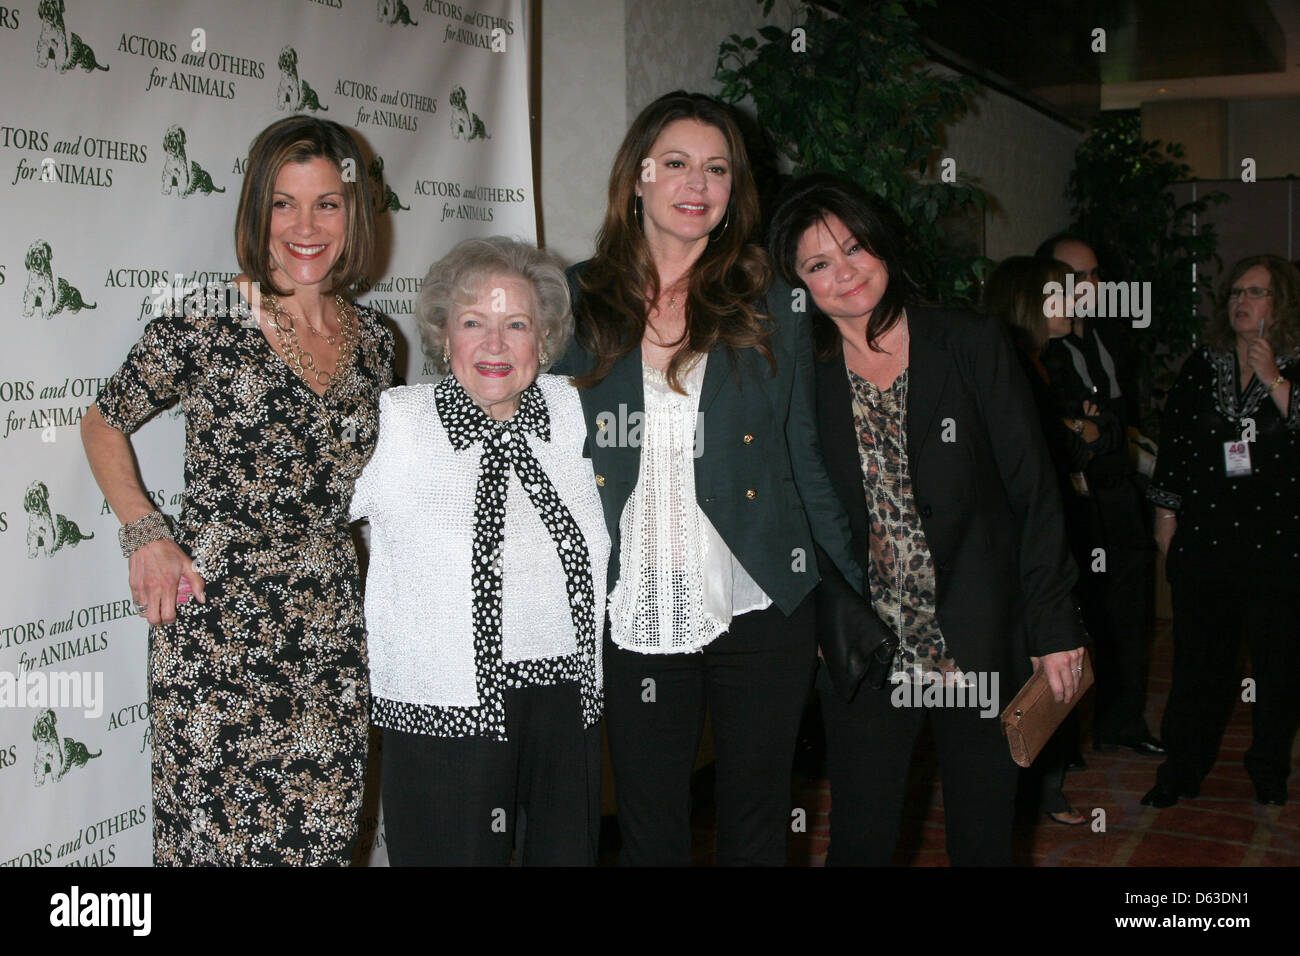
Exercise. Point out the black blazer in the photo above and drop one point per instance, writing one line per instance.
(987, 498)
(759, 478)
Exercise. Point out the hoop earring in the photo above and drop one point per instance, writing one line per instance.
(637, 214)
(725, 222)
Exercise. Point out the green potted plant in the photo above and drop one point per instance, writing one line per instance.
(1121, 201)
(854, 95)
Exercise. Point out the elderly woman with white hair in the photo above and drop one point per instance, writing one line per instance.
(484, 599)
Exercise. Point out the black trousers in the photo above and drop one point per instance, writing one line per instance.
(457, 801)
(1115, 609)
(869, 746)
(1210, 618)
(1042, 785)
(753, 681)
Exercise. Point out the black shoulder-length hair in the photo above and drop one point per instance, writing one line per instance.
(807, 202)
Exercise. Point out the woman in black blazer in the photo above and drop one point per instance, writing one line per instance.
(698, 397)
(934, 448)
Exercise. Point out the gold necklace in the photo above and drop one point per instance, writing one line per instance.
(675, 289)
(298, 358)
(329, 339)
(672, 305)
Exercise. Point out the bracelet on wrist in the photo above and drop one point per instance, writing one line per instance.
(1275, 383)
(1172, 514)
(134, 535)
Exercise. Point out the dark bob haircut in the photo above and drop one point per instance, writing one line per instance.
(1014, 294)
(299, 139)
(807, 202)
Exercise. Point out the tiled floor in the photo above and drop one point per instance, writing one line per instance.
(1222, 827)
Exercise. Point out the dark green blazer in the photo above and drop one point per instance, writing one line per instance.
(759, 475)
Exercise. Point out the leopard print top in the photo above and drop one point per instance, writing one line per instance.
(879, 418)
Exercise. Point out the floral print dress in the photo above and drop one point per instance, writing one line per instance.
(258, 698)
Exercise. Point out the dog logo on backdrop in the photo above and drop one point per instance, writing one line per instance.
(294, 94)
(180, 173)
(44, 296)
(55, 757)
(57, 44)
(47, 532)
(464, 124)
(388, 201)
(395, 11)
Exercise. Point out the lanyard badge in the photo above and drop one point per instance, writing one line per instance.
(1236, 459)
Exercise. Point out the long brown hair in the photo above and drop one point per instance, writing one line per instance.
(727, 279)
(298, 139)
(1285, 333)
(1014, 294)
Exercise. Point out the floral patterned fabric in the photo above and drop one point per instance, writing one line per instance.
(259, 697)
(879, 418)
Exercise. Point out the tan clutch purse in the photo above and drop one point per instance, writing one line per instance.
(1033, 714)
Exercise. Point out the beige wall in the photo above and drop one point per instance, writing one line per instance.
(673, 44)
(603, 60)
(1219, 134)
(1201, 126)
(1267, 131)
(582, 114)
(1022, 159)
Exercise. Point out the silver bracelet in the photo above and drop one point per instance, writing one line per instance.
(136, 534)
(1170, 515)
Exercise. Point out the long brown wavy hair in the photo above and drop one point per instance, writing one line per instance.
(1285, 333)
(725, 282)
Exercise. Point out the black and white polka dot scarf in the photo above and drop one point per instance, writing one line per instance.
(504, 447)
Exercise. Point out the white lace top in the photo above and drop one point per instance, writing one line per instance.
(679, 584)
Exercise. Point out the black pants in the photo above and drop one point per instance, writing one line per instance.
(1115, 608)
(1042, 785)
(754, 681)
(869, 746)
(456, 801)
(1210, 617)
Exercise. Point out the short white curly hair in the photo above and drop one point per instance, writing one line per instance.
(457, 277)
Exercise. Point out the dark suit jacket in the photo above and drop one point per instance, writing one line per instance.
(1108, 455)
(987, 498)
(759, 477)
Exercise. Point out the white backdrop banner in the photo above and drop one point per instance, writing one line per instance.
(123, 141)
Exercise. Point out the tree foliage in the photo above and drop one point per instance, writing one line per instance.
(1122, 203)
(854, 95)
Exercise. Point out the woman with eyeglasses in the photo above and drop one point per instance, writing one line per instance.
(1227, 500)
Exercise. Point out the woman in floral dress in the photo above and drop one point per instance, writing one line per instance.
(258, 686)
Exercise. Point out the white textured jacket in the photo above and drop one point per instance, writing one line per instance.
(418, 492)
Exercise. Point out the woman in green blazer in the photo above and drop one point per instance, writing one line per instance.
(697, 387)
